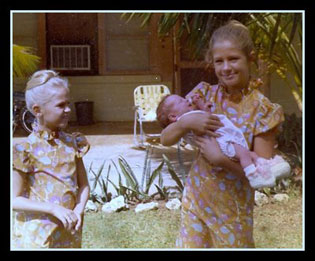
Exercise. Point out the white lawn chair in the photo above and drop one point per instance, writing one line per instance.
(146, 99)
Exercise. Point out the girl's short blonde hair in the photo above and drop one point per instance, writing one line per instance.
(232, 31)
(39, 85)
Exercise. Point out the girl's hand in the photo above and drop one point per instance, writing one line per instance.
(79, 217)
(199, 103)
(68, 217)
(196, 99)
(201, 123)
(210, 149)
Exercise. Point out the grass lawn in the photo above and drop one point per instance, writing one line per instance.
(276, 225)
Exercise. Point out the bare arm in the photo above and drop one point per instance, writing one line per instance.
(210, 149)
(21, 203)
(66, 216)
(263, 146)
(172, 133)
(83, 193)
(199, 123)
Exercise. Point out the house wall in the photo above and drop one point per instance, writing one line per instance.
(25, 29)
(113, 95)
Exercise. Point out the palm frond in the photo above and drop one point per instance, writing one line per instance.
(23, 61)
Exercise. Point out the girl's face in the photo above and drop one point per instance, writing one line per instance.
(55, 113)
(231, 65)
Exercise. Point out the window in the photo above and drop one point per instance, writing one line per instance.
(126, 46)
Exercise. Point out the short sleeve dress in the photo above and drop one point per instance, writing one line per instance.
(48, 161)
(217, 206)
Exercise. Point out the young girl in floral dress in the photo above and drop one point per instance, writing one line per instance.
(218, 201)
(50, 186)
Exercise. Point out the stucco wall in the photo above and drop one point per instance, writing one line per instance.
(25, 29)
(112, 95)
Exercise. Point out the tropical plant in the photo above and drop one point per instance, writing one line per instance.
(23, 61)
(290, 142)
(171, 170)
(132, 188)
(290, 138)
(105, 196)
(162, 191)
(278, 39)
(150, 177)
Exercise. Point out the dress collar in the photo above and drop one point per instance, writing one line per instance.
(45, 134)
(238, 96)
(234, 97)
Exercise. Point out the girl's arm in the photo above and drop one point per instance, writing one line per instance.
(263, 146)
(210, 149)
(83, 193)
(172, 133)
(199, 123)
(66, 216)
(21, 203)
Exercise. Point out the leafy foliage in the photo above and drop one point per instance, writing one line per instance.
(291, 147)
(171, 170)
(24, 62)
(290, 139)
(105, 196)
(131, 190)
(278, 41)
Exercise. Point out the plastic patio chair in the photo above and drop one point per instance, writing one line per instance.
(146, 100)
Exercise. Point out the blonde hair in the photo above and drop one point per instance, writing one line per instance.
(38, 87)
(232, 31)
(162, 112)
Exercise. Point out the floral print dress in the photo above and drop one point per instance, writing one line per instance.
(48, 161)
(217, 206)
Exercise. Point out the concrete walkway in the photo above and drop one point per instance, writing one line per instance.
(111, 140)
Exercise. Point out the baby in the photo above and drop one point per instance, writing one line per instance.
(259, 171)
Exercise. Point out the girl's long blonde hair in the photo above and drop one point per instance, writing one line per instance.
(232, 31)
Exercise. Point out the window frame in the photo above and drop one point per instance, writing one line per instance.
(102, 51)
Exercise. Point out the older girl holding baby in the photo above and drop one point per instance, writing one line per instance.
(218, 201)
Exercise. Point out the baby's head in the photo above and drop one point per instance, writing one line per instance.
(171, 107)
(40, 87)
